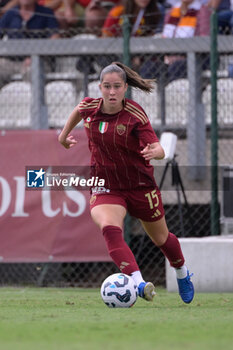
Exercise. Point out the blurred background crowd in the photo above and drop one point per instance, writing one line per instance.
(30, 19)
(167, 18)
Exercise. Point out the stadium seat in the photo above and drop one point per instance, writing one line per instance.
(177, 99)
(15, 105)
(206, 99)
(93, 89)
(61, 98)
(225, 101)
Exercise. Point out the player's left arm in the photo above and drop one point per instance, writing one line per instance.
(148, 140)
(153, 151)
(151, 147)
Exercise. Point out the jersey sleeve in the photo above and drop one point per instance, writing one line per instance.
(143, 128)
(87, 106)
(146, 134)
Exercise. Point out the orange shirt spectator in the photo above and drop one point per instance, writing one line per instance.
(113, 23)
(144, 20)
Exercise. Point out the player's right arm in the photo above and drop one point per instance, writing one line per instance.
(65, 138)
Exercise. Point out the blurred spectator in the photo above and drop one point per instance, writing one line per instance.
(96, 13)
(145, 19)
(181, 21)
(6, 5)
(28, 20)
(95, 16)
(68, 12)
(85, 13)
(224, 10)
(203, 19)
(144, 16)
(74, 11)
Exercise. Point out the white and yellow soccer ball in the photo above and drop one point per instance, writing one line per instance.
(119, 290)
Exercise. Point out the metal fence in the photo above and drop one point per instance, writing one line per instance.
(63, 71)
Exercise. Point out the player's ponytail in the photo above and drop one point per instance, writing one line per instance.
(129, 76)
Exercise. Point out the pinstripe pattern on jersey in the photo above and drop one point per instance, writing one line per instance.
(109, 153)
(105, 168)
(136, 112)
(102, 157)
(125, 135)
(126, 146)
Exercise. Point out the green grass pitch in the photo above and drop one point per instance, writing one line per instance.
(73, 318)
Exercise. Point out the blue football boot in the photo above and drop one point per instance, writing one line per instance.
(186, 288)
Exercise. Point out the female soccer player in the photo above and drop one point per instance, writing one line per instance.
(122, 143)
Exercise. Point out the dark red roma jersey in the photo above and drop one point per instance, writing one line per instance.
(115, 142)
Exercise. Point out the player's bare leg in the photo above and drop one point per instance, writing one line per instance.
(157, 231)
(108, 214)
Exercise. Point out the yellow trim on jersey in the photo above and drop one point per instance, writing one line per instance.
(136, 112)
(88, 105)
(135, 115)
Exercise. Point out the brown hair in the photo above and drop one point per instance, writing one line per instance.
(129, 76)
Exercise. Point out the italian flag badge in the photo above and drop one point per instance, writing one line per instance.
(103, 126)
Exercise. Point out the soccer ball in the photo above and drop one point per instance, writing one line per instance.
(119, 290)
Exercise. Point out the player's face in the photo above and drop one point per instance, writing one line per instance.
(113, 90)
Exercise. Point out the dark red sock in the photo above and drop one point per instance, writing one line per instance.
(119, 251)
(172, 250)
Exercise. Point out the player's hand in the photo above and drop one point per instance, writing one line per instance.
(153, 151)
(68, 142)
(147, 152)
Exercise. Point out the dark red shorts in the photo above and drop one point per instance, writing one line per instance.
(145, 204)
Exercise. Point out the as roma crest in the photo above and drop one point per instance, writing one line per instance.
(121, 129)
(103, 127)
